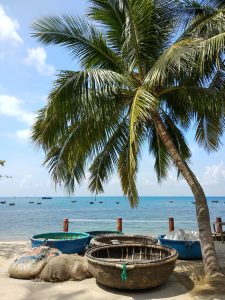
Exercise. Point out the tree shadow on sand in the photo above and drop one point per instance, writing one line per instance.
(203, 286)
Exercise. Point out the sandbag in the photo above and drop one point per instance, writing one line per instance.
(56, 270)
(31, 263)
(65, 267)
(79, 270)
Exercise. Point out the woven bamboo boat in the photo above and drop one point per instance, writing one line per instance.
(131, 266)
(115, 239)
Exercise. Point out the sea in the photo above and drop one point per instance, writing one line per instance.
(24, 219)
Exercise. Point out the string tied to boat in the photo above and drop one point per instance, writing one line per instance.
(124, 272)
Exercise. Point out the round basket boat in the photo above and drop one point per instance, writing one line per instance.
(132, 266)
(115, 239)
(94, 234)
(66, 242)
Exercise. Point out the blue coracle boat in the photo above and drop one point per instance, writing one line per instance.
(185, 249)
(66, 242)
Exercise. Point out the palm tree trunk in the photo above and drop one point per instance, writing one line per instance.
(211, 264)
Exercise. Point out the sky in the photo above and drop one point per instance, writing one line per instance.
(27, 70)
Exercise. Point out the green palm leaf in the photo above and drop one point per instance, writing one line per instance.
(82, 39)
(106, 161)
(111, 15)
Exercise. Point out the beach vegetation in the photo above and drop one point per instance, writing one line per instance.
(149, 71)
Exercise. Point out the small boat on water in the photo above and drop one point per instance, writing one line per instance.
(117, 203)
(46, 197)
(31, 201)
(73, 201)
(3, 202)
(171, 201)
(91, 202)
(39, 203)
(100, 201)
(215, 201)
(11, 204)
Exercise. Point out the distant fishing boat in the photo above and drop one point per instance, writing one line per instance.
(3, 202)
(117, 203)
(73, 201)
(46, 197)
(100, 201)
(11, 204)
(91, 202)
(39, 203)
(31, 201)
(214, 201)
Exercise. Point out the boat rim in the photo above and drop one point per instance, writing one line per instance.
(161, 237)
(124, 236)
(36, 238)
(105, 262)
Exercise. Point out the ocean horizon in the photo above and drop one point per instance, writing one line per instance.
(20, 221)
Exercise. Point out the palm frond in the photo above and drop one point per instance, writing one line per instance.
(181, 56)
(161, 156)
(81, 38)
(205, 106)
(217, 4)
(147, 31)
(143, 104)
(104, 164)
(127, 182)
(76, 96)
(206, 25)
(2, 162)
(111, 14)
(65, 170)
(192, 12)
(209, 131)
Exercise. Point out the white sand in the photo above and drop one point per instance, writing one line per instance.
(177, 287)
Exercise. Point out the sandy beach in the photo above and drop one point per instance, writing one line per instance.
(185, 283)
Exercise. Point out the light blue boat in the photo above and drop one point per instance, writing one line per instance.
(185, 249)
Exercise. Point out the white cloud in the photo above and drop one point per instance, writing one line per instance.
(37, 57)
(214, 174)
(10, 106)
(26, 179)
(23, 134)
(8, 29)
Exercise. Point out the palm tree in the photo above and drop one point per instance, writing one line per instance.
(150, 70)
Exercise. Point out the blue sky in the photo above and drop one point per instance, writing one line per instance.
(26, 72)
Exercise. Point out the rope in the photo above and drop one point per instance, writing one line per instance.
(124, 272)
